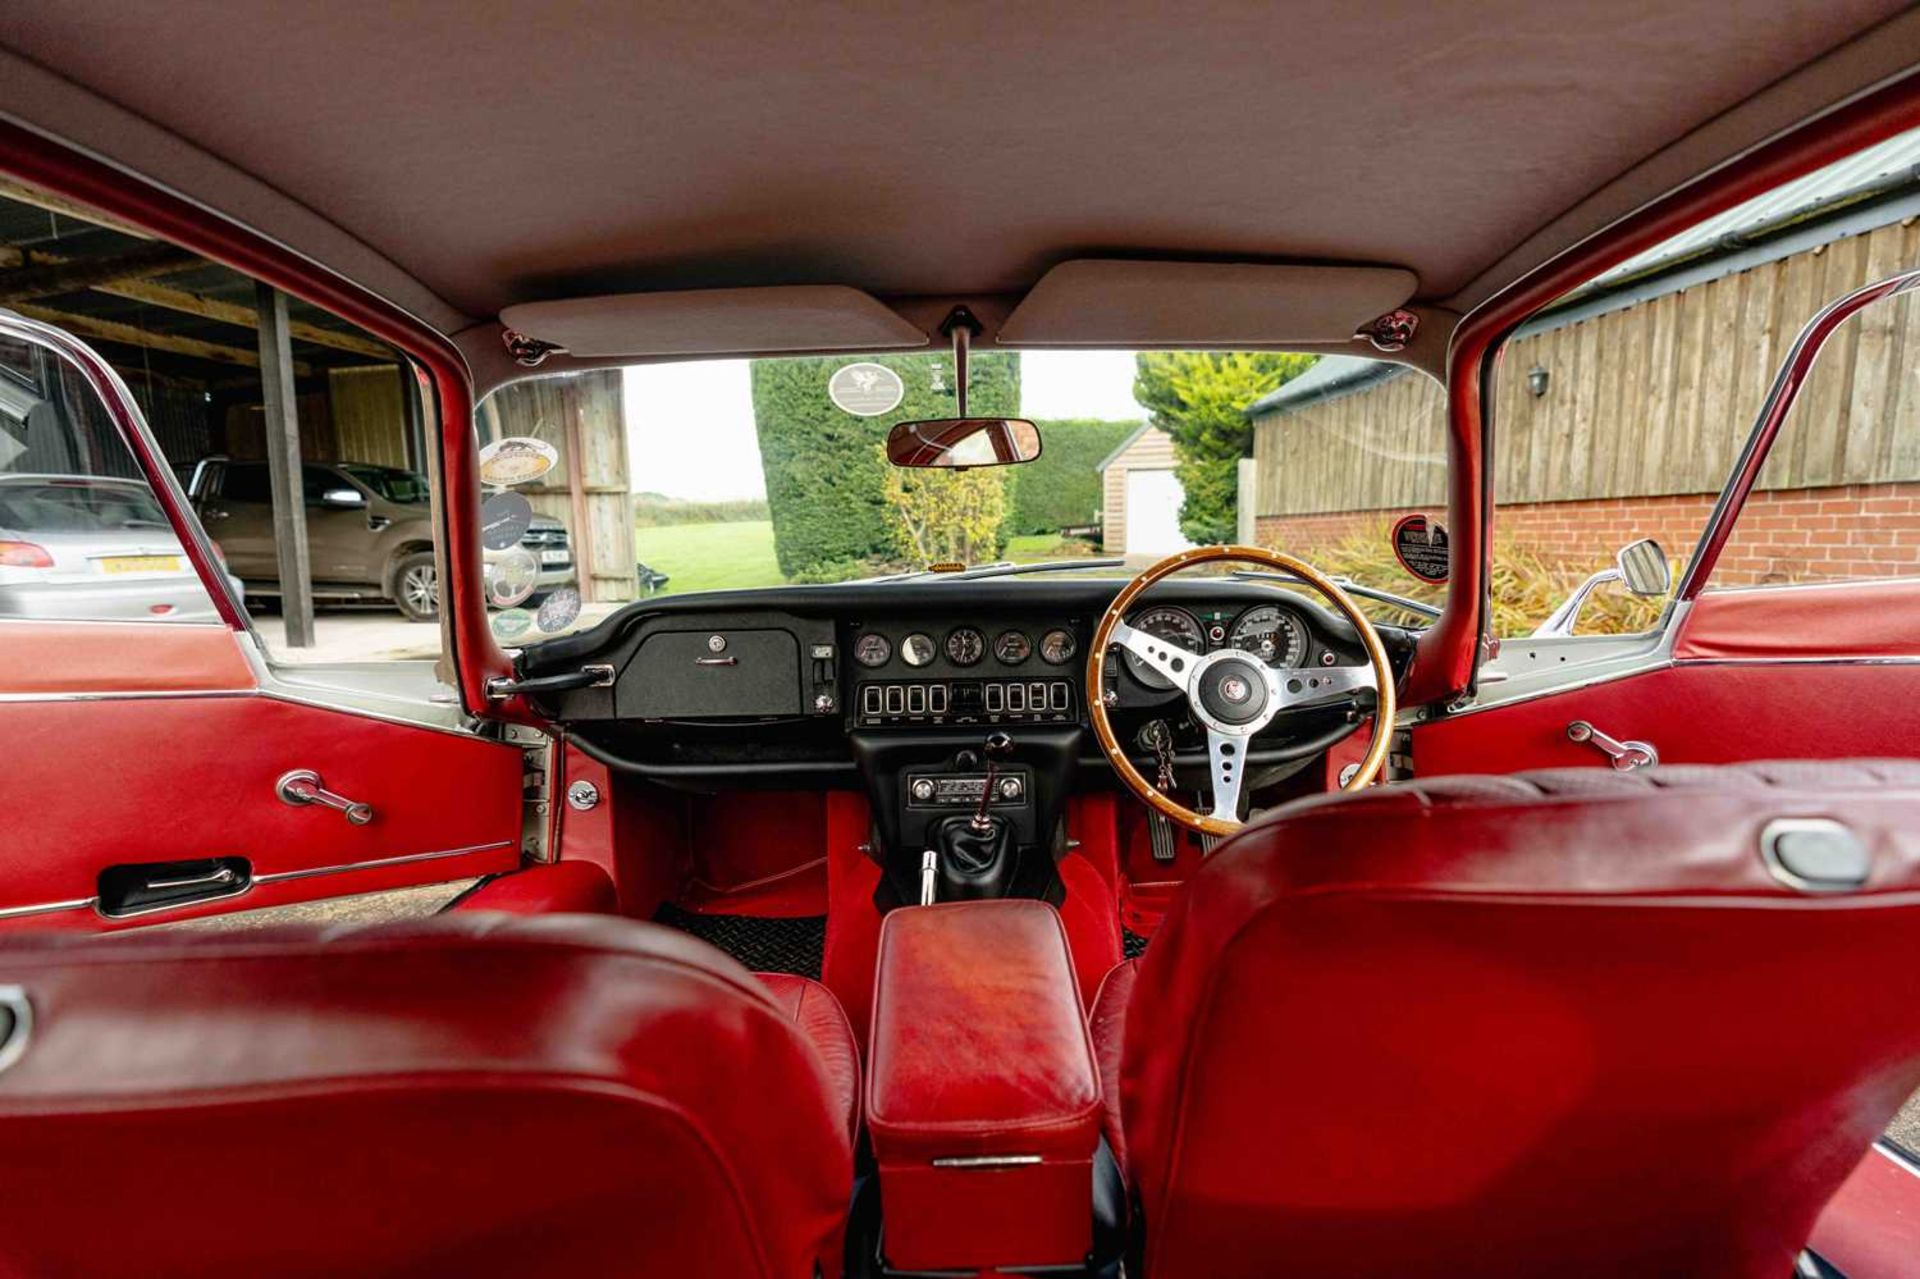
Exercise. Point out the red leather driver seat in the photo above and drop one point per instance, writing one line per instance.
(470, 1095)
(1567, 1023)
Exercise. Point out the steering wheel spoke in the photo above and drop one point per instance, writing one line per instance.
(1169, 661)
(1324, 685)
(1226, 765)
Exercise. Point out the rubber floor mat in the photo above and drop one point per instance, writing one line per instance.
(760, 943)
(1132, 944)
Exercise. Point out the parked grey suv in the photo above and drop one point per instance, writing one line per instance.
(369, 533)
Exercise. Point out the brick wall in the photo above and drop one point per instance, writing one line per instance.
(1814, 534)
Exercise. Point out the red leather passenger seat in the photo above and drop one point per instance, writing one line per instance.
(1572, 1023)
(471, 1094)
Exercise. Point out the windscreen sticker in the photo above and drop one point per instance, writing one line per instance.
(1420, 544)
(512, 578)
(558, 610)
(512, 624)
(518, 459)
(865, 390)
(504, 520)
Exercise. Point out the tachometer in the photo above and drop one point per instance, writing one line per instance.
(1012, 647)
(1274, 635)
(1176, 626)
(965, 646)
(872, 649)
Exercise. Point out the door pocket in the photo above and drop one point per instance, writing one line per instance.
(136, 888)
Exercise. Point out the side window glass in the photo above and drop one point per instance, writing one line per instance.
(1838, 498)
(82, 536)
(200, 347)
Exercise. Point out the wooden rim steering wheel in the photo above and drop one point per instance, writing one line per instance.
(1233, 694)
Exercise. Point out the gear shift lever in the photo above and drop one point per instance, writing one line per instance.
(996, 748)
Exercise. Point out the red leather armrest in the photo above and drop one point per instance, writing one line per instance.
(983, 1099)
(561, 887)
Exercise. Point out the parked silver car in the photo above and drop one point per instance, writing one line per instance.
(88, 546)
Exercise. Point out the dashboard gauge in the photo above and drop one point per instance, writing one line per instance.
(872, 649)
(1012, 647)
(965, 646)
(1175, 625)
(917, 649)
(1274, 635)
(1058, 647)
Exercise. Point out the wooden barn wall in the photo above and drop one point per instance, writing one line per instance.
(1654, 399)
(1153, 451)
(369, 414)
(589, 408)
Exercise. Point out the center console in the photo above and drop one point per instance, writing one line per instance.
(983, 1097)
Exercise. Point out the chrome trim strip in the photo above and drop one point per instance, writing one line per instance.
(986, 1161)
(127, 695)
(285, 876)
(20, 1026)
(1898, 1157)
(46, 908)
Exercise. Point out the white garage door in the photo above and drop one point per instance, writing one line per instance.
(1153, 513)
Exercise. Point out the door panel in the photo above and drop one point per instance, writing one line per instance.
(1691, 713)
(1872, 619)
(101, 782)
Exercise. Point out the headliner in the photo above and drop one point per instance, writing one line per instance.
(918, 151)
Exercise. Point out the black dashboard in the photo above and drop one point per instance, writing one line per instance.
(781, 685)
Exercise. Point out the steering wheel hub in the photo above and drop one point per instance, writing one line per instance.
(1232, 690)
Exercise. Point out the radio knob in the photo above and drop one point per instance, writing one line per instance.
(1010, 788)
(922, 789)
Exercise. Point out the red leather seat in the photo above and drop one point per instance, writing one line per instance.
(574, 887)
(470, 1094)
(1569, 1023)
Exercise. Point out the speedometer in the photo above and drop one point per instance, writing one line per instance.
(1274, 635)
(1177, 627)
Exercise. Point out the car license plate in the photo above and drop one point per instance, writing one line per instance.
(140, 564)
(553, 557)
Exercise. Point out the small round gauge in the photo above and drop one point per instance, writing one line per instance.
(1057, 647)
(872, 649)
(1274, 635)
(965, 646)
(1012, 647)
(917, 649)
(1177, 627)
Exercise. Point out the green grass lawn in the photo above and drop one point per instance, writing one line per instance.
(710, 557)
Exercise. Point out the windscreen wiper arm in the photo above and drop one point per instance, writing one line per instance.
(1000, 569)
(1351, 587)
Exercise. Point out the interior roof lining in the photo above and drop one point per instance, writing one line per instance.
(36, 98)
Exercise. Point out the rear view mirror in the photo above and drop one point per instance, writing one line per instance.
(1644, 568)
(959, 442)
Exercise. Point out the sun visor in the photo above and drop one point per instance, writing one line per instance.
(1111, 303)
(828, 317)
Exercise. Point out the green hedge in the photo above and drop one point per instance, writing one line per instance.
(825, 479)
(1062, 489)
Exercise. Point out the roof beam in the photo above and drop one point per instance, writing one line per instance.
(99, 330)
(48, 279)
(21, 193)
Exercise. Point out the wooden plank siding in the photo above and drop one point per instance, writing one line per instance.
(1654, 399)
(1153, 451)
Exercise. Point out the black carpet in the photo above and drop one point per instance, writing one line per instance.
(759, 943)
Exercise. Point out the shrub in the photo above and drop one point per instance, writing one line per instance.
(951, 517)
(653, 510)
(1061, 489)
(826, 480)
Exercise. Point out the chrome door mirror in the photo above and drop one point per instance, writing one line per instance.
(1640, 566)
(1644, 569)
(343, 498)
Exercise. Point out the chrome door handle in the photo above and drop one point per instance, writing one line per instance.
(1625, 756)
(219, 875)
(303, 786)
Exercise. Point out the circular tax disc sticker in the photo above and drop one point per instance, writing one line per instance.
(513, 578)
(518, 459)
(865, 390)
(504, 520)
(558, 610)
(512, 624)
(1421, 547)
